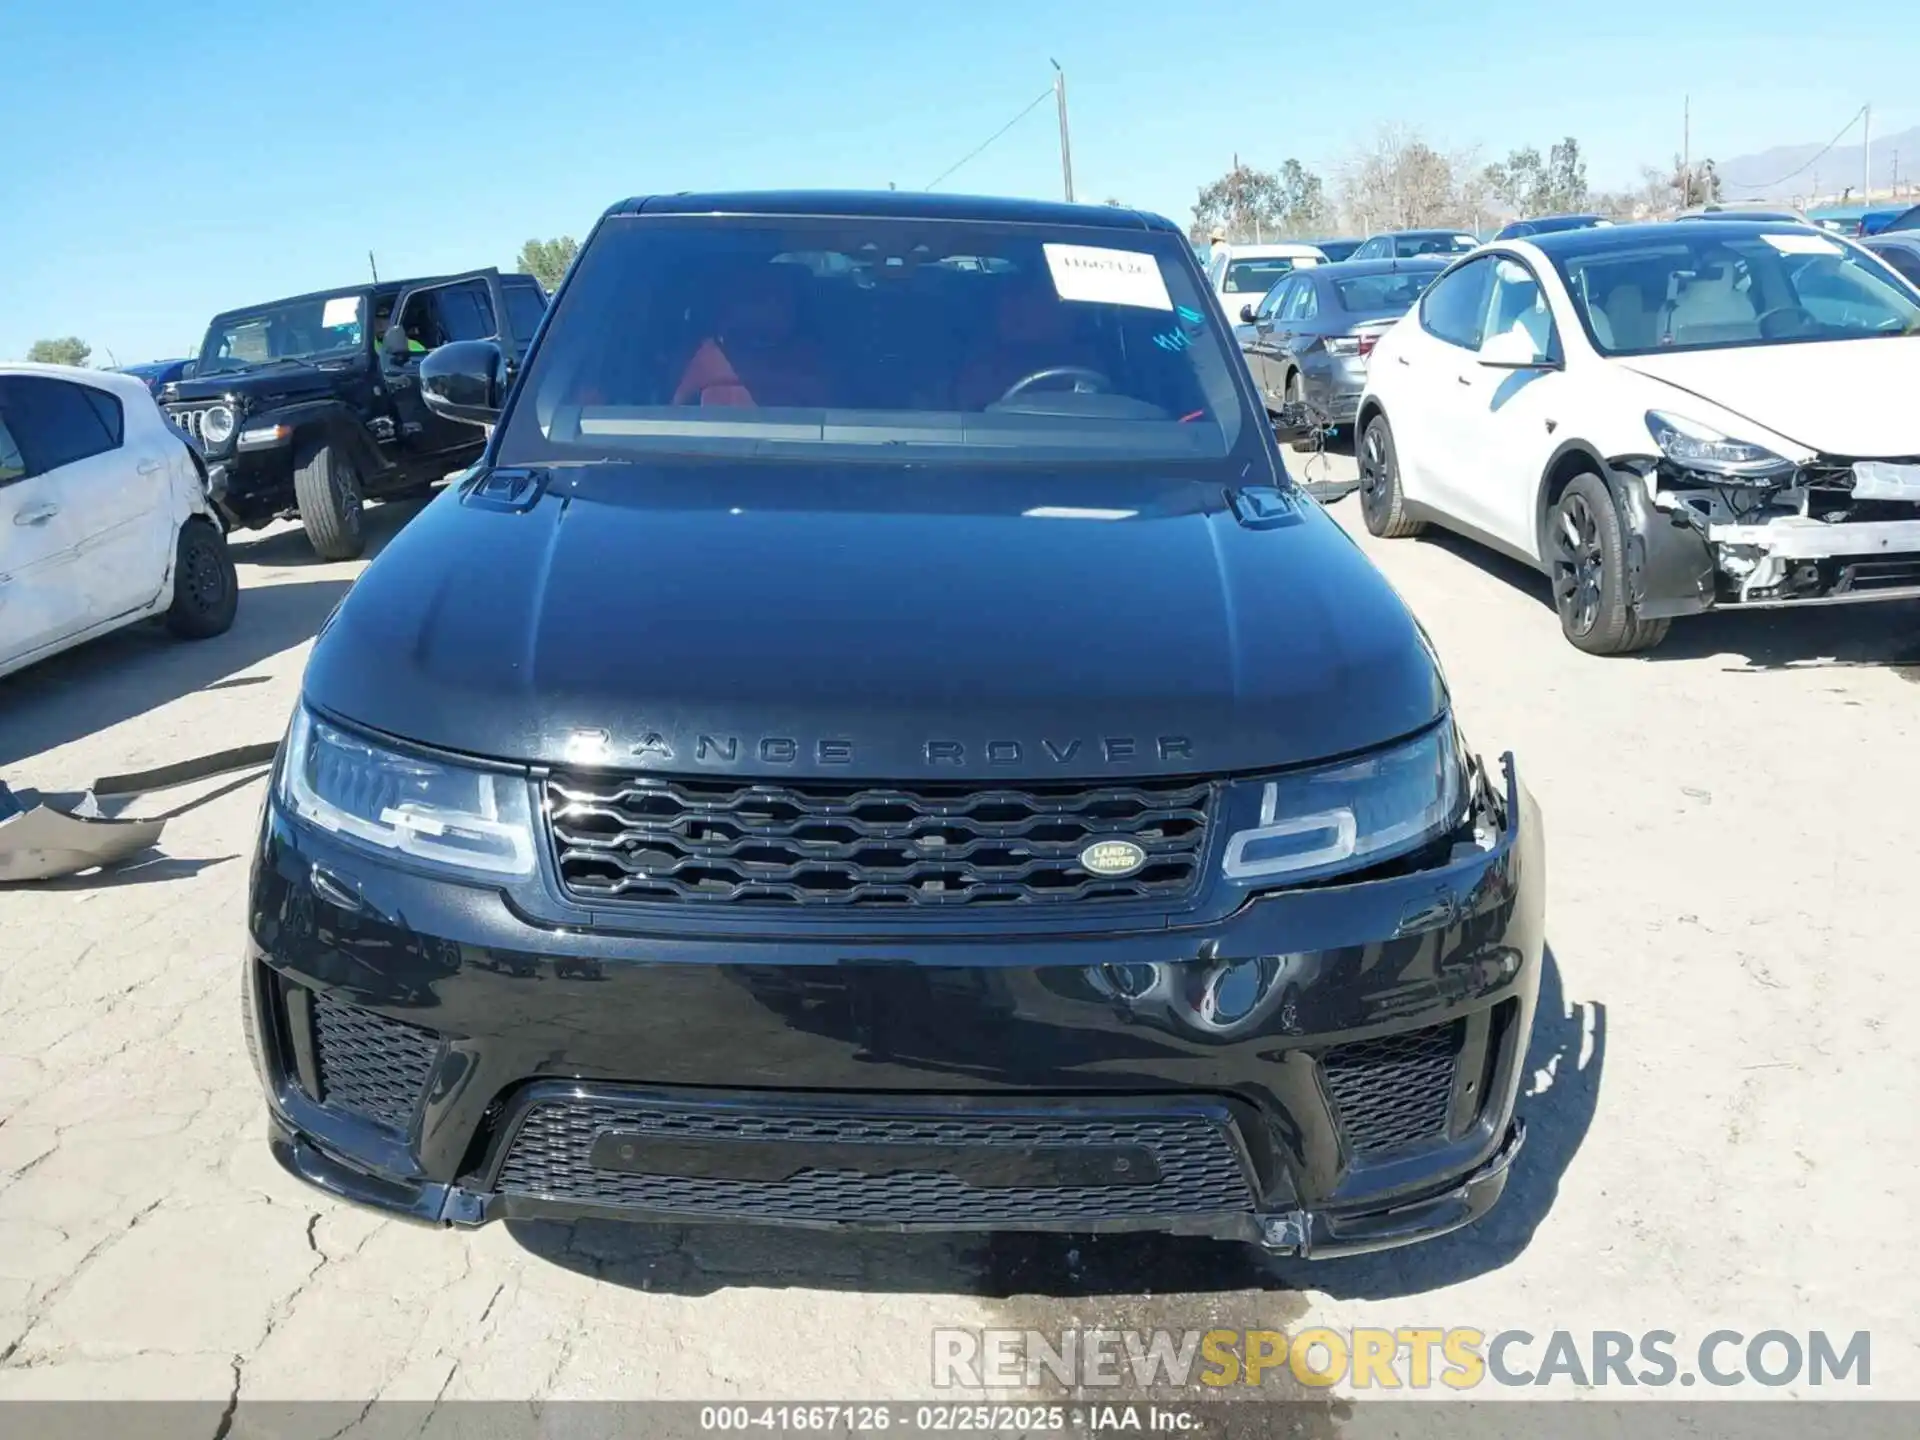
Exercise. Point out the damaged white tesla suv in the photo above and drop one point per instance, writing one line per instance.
(1664, 418)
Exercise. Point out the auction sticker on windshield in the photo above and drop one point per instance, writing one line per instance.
(1802, 244)
(1108, 277)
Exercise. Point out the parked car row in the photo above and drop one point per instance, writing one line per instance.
(118, 488)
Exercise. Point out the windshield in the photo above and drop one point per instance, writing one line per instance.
(1396, 290)
(1433, 244)
(1697, 292)
(293, 330)
(764, 336)
(1336, 250)
(1256, 277)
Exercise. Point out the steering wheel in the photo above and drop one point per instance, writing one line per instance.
(1085, 381)
(1804, 315)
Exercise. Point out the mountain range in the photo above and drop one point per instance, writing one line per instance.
(1789, 173)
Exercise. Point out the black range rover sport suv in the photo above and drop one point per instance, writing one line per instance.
(879, 740)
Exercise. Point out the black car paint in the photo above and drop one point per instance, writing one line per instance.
(680, 615)
(1031, 674)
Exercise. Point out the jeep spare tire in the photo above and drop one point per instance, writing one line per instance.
(327, 488)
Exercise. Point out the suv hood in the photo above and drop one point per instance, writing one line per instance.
(899, 623)
(258, 385)
(1852, 398)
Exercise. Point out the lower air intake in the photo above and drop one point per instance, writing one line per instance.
(936, 1179)
(1394, 1091)
(370, 1066)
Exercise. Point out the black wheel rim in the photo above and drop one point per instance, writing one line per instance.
(203, 579)
(1376, 477)
(347, 485)
(1579, 568)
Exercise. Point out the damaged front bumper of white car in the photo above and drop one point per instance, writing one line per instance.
(1830, 531)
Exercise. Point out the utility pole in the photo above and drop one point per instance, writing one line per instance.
(1686, 150)
(1866, 153)
(1066, 145)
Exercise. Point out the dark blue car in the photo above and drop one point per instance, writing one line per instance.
(158, 373)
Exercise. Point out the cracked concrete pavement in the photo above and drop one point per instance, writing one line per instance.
(1722, 1098)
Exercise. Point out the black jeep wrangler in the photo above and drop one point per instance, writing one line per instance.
(311, 406)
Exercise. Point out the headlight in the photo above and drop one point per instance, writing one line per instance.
(1693, 446)
(1346, 816)
(216, 426)
(445, 814)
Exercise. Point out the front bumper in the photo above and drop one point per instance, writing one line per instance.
(430, 1051)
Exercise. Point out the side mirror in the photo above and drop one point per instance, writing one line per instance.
(393, 344)
(1514, 350)
(464, 380)
(1246, 314)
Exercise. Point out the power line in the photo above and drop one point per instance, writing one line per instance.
(1046, 94)
(1738, 185)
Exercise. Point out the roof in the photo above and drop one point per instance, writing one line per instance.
(1427, 230)
(1905, 239)
(359, 288)
(1277, 248)
(893, 204)
(124, 385)
(1406, 264)
(1718, 227)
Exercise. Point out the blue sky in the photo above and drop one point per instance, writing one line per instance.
(163, 159)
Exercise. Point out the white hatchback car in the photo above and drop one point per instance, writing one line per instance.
(104, 516)
(1241, 275)
(1664, 418)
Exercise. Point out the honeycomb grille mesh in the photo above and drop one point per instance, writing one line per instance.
(754, 843)
(1200, 1167)
(369, 1065)
(1396, 1090)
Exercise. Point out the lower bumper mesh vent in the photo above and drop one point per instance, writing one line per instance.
(1197, 1163)
(1396, 1090)
(370, 1066)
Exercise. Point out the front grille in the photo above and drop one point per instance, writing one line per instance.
(1200, 1168)
(1394, 1091)
(192, 420)
(762, 843)
(369, 1065)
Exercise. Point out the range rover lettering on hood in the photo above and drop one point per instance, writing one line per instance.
(724, 750)
(840, 623)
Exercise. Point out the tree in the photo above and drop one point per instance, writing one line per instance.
(1696, 184)
(1516, 181)
(1244, 202)
(1303, 200)
(1252, 204)
(547, 260)
(1527, 185)
(1565, 190)
(1401, 182)
(71, 350)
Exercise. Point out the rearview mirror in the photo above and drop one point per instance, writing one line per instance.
(464, 380)
(1246, 314)
(1514, 350)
